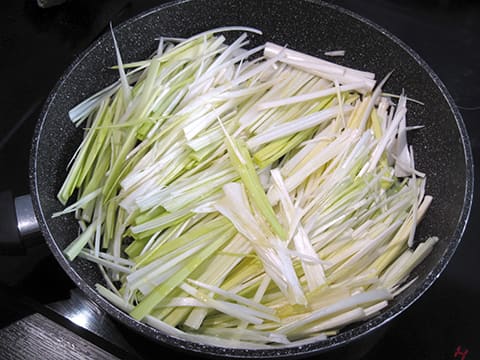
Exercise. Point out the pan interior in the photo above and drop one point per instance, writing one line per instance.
(440, 148)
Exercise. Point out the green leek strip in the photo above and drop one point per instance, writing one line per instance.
(135, 248)
(194, 233)
(98, 146)
(72, 250)
(145, 216)
(89, 197)
(160, 292)
(347, 304)
(77, 174)
(273, 151)
(243, 164)
(181, 243)
(109, 226)
(114, 176)
(276, 149)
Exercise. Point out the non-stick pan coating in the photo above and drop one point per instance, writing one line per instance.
(442, 149)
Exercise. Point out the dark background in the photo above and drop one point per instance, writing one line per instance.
(36, 46)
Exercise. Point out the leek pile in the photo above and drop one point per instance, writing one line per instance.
(244, 197)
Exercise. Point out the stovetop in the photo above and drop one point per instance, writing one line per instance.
(43, 314)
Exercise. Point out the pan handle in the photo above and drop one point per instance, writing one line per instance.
(19, 227)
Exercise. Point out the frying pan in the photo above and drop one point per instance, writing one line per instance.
(442, 147)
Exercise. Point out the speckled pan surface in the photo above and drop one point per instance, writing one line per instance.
(442, 147)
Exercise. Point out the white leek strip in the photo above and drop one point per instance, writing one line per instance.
(108, 257)
(338, 321)
(248, 335)
(160, 292)
(386, 94)
(291, 55)
(236, 208)
(210, 136)
(143, 183)
(209, 193)
(150, 242)
(108, 281)
(81, 111)
(203, 339)
(365, 279)
(164, 327)
(321, 158)
(191, 186)
(342, 305)
(224, 29)
(161, 221)
(86, 107)
(287, 83)
(121, 70)
(162, 237)
(330, 74)
(317, 144)
(277, 263)
(335, 53)
(413, 184)
(98, 232)
(314, 271)
(243, 164)
(262, 67)
(142, 174)
(313, 339)
(108, 264)
(397, 290)
(341, 115)
(251, 90)
(222, 58)
(373, 100)
(390, 279)
(235, 297)
(113, 298)
(160, 47)
(236, 311)
(146, 286)
(294, 290)
(374, 309)
(296, 125)
(414, 127)
(80, 203)
(184, 302)
(311, 260)
(171, 39)
(407, 168)
(384, 141)
(195, 127)
(400, 148)
(396, 267)
(369, 246)
(159, 266)
(319, 64)
(221, 267)
(82, 226)
(310, 96)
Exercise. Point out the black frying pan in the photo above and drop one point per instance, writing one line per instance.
(442, 148)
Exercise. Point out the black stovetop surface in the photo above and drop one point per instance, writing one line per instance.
(36, 46)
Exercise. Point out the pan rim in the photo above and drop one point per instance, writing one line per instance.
(347, 336)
